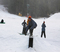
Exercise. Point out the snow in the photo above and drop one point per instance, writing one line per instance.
(55, 16)
(11, 41)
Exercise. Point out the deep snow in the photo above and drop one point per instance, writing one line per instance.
(11, 41)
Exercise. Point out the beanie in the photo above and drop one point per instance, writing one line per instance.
(29, 17)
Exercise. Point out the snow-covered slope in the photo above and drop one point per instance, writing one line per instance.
(11, 41)
(55, 16)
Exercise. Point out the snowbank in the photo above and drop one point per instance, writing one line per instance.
(55, 16)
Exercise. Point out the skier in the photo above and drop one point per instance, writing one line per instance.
(24, 27)
(43, 29)
(31, 25)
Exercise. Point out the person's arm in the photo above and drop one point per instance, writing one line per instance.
(45, 25)
(23, 23)
(42, 25)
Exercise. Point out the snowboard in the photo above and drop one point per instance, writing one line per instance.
(23, 34)
(2, 23)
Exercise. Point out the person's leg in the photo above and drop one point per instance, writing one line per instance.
(31, 32)
(44, 35)
(24, 30)
(41, 33)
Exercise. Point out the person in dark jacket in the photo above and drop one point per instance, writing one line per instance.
(24, 27)
(31, 25)
(43, 29)
(2, 21)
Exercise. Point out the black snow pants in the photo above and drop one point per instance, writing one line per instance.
(31, 32)
(23, 32)
(42, 34)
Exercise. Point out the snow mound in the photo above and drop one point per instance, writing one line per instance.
(55, 16)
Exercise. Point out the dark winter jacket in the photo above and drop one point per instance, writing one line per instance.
(24, 24)
(43, 27)
(32, 24)
(2, 21)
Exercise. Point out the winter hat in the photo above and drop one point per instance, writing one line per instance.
(29, 17)
(24, 20)
(43, 21)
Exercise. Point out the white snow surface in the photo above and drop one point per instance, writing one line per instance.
(11, 41)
